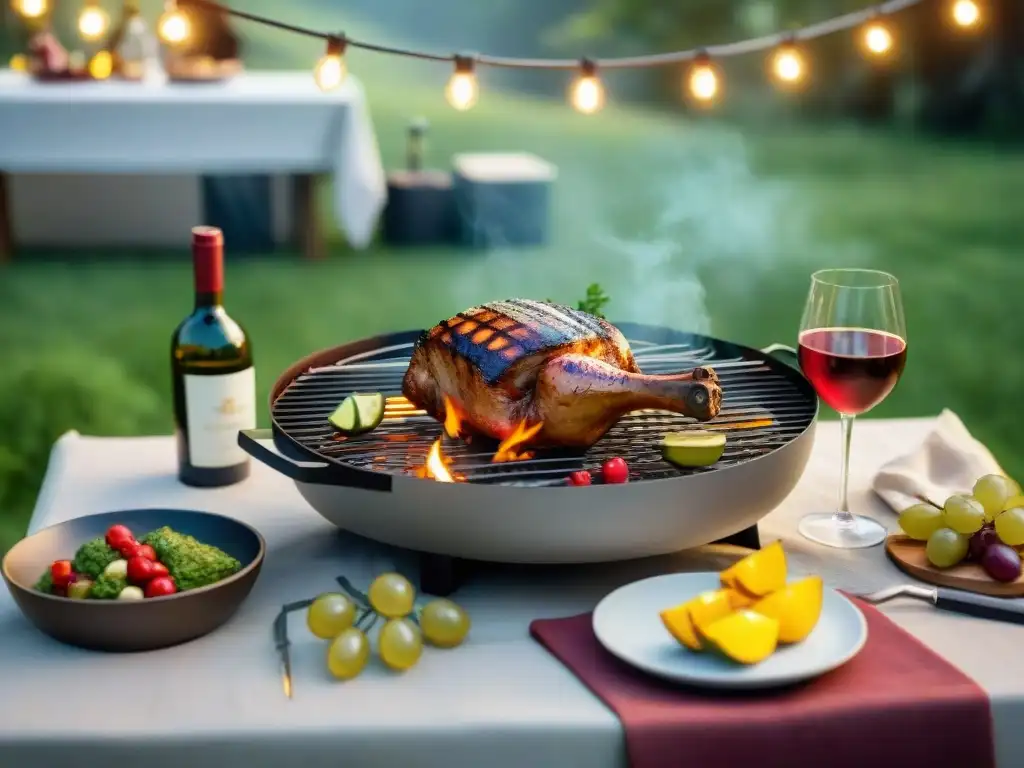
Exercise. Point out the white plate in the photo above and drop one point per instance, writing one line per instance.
(627, 624)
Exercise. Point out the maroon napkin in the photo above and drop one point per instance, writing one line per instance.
(895, 704)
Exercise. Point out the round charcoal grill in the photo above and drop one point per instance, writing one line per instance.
(523, 511)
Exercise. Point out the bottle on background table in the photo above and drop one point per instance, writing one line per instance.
(214, 381)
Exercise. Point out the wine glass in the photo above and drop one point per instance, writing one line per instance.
(852, 349)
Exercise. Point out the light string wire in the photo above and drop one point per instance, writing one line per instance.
(847, 21)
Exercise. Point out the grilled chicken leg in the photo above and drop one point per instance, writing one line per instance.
(519, 360)
(580, 398)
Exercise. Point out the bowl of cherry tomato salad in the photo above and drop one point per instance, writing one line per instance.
(134, 580)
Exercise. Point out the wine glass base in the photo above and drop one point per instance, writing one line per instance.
(860, 532)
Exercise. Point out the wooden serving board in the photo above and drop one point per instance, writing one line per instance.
(909, 557)
(63, 76)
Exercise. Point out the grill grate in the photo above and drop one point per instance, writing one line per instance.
(762, 409)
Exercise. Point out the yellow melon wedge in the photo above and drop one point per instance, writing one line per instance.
(758, 574)
(797, 608)
(738, 598)
(683, 620)
(745, 636)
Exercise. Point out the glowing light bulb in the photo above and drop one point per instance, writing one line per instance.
(587, 93)
(462, 89)
(966, 13)
(19, 62)
(788, 65)
(93, 21)
(101, 66)
(878, 39)
(703, 80)
(330, 71)
(31, 9)
(174, 27)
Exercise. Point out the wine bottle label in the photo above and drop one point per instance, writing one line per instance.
(216, 409)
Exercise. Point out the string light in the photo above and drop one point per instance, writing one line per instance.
(876, 38)
(462, 89)
(702, 82)
(101, 66)
(30, 9)
(174, 27)
(93, 21)
(788, 64)
(330, 70)
(966, 13)
(587, 92)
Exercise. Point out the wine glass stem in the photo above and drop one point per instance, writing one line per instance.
(843, 515)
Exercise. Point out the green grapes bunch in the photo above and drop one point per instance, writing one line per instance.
(968, 526)
(333, 616)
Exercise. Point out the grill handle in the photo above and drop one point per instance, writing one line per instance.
(313, 472)
(784, 352)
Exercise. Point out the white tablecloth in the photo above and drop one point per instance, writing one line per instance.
(499, 701)
(259, 122)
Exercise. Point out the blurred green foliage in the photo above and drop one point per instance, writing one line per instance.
(46, 392)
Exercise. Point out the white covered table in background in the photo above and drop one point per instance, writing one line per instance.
(275, 123)
(500, 701)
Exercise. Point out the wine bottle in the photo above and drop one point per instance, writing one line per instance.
(214, 379)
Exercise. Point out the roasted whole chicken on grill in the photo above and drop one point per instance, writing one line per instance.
(509, 362)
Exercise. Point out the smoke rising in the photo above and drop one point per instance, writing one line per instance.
(654, 225)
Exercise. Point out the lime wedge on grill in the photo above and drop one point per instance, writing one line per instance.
(358, 413)
(698, 448)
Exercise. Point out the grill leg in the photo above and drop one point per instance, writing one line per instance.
(749, 538)
(440, 576)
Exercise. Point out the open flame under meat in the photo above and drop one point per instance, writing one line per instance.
(570, 375)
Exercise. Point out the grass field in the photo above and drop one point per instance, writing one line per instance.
(689, 224)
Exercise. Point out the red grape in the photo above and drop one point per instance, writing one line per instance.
(580, 478)
(140, 570)
(61, 573)
(1001, 562)
(117, 535)
(615, 471)
(160, 586)
(981, 541)
(129, 549)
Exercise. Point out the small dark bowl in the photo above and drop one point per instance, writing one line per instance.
(132, 625)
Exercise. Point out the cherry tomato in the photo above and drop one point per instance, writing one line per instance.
(160, 586)
(580, 478)
(61, 573)
(140, 570)
(159, 569)
(147, 552)
(117, 535)
(615, 471)
(129, 549)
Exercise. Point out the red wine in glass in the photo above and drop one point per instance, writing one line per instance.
(852, 348)
(852, 369)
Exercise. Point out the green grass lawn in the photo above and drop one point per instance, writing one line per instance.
(690, 224)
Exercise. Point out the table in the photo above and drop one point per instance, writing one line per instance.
(258, 122)
(499, 701)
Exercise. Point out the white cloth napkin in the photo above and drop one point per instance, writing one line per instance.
(950, 460)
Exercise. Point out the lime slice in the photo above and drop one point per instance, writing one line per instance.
(358, 413)
(698, 448)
